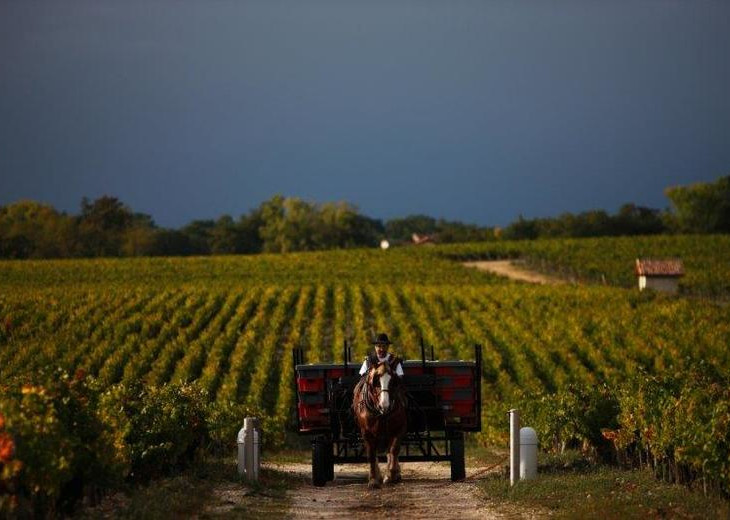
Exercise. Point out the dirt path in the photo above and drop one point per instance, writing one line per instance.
(513, 270)
(425, 493)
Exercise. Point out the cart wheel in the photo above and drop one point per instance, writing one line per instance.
(319, 462)
(330, 462)
(458, 469)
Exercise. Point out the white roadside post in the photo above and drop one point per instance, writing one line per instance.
(528, 453)
(241, 443)
(248, 449)
(514, 446)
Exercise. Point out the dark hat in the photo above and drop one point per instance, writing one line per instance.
(382, 339)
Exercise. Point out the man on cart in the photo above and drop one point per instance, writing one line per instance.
(380, 354)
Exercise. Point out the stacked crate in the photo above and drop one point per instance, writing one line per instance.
(313, 402)
(454, 387)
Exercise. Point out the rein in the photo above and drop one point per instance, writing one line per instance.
(367, 394)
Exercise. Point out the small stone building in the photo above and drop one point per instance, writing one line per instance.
(660, 275)
(421, 239)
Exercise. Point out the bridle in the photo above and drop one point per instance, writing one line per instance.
(367, 390)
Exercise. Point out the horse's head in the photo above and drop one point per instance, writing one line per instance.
(381, 378)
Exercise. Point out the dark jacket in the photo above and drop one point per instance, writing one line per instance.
(393, 361)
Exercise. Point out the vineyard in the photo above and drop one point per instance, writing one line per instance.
(228, 325)
(610, 260)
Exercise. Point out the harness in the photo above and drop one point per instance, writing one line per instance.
(392, 361)
(367, 390)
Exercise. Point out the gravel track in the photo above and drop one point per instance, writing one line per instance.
(425, 493)
(513, 271)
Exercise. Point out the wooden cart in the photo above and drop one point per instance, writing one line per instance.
(444, 401)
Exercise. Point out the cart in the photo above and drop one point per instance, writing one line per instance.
(444, 401)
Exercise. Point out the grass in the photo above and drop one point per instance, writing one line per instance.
(209, 489)
(568, 487)
(479, 454)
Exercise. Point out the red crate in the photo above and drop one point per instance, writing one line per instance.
(334, 373)
(456, 394)
(305, 384)
(311, 398)
(310, 372)
(314, 413)
(455, 381)
(453, 371)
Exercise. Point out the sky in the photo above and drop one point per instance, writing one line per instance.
(477, 111)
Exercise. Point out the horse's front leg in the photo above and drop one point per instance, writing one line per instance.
(371, 448)
(393, 476)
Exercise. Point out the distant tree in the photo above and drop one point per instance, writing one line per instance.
(139, 238)
(522, 229)
(249, 237)
(30, 229)
(341, 226)
(224, 237)
(172, 242)
(106, 213)
(292, 224)
(638, 220)
(288, 225)
(630, 220)
(454, 231)
(102, 225)
(15, 246)
(198, 234)
(592, 223)
(403, 228)
(364, 231)
(702, 207)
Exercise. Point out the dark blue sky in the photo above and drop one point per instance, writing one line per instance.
(470, 110)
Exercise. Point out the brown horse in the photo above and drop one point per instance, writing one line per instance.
(379, 405)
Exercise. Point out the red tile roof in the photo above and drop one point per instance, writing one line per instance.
(652, 267)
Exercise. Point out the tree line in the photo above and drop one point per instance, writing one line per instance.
(107, 227)
(696, 208)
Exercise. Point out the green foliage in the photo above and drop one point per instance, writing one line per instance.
(702, 207)
(573, 417)
(160, 429)
(225, 419)
(62, 438)
(443, 231)
(678, 425)
(61, 446)
(30, 229)
(224, 238)
(629, 220)
(292, 224)
(681, 424)
(102, 226)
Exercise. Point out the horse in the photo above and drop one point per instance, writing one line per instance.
(379, 406)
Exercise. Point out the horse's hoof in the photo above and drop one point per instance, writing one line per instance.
(386, 480)
(392, 479)
(374, 484)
